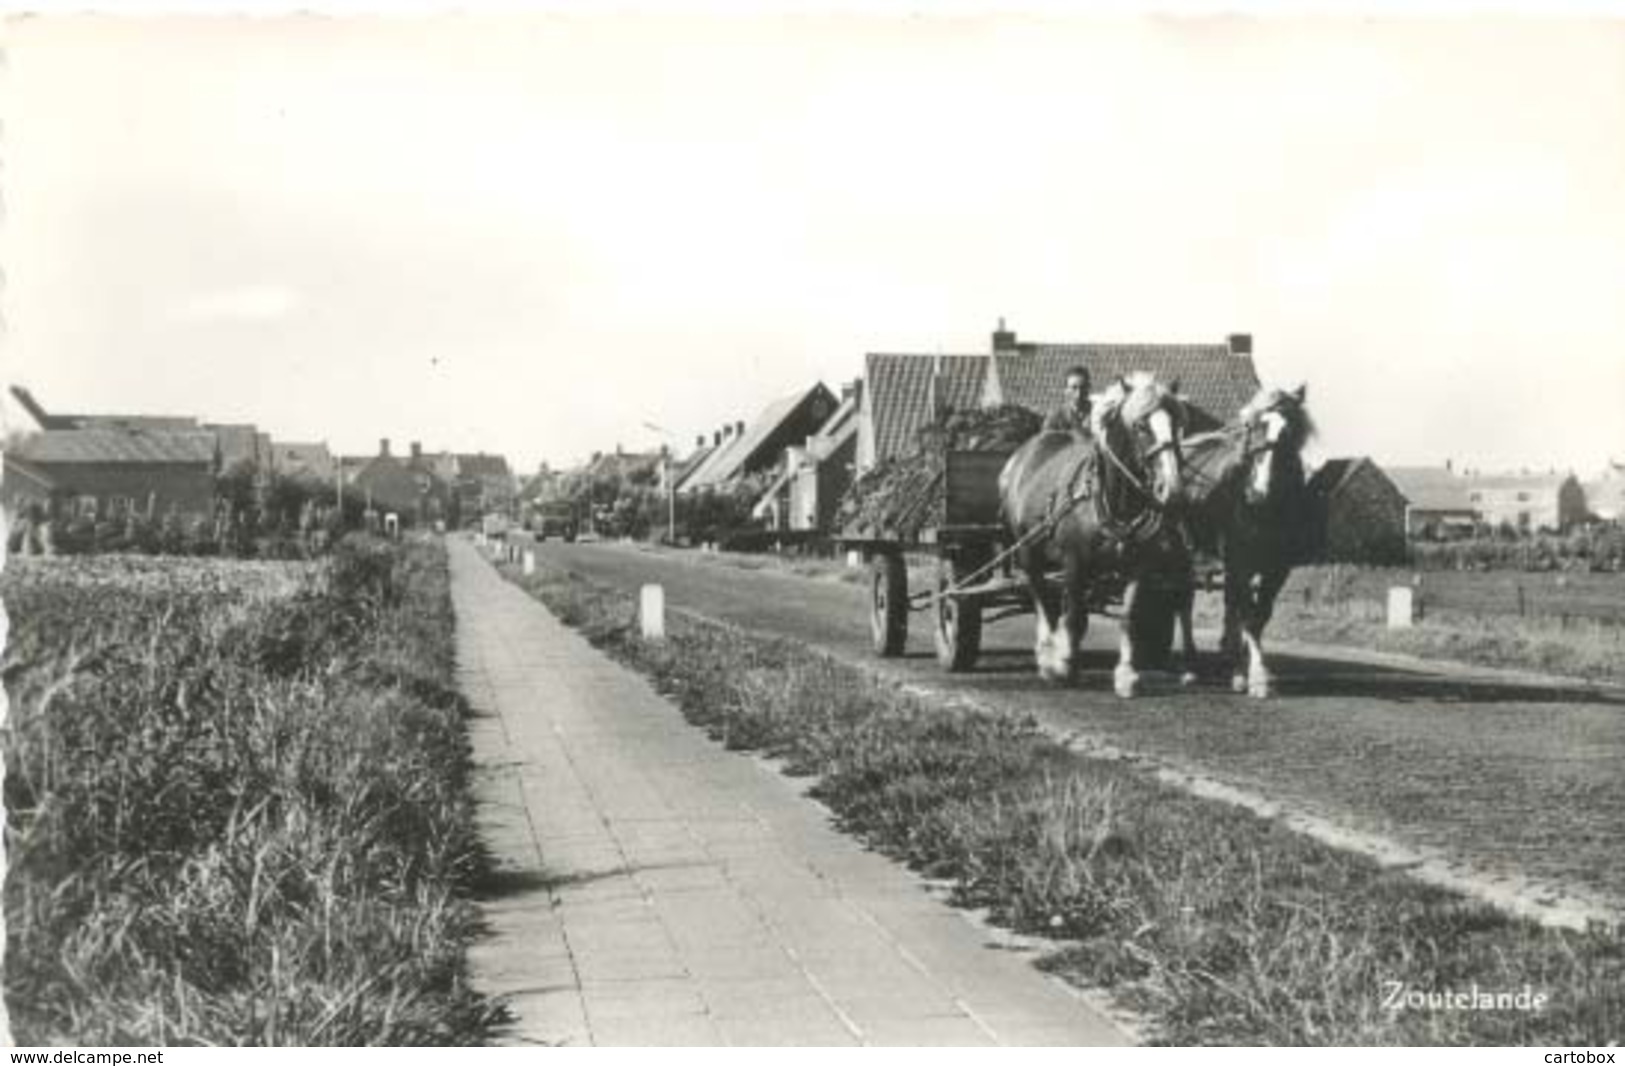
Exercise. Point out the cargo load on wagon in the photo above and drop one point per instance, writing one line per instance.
(905, 494)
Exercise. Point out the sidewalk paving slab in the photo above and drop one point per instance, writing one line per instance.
(654, 889)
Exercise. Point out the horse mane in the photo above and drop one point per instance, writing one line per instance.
(1299, 426)
(1130, 399)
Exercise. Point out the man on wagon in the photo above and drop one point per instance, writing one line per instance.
(1072, 416)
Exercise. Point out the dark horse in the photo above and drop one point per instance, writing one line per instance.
(1094, 509)
(1246, 506)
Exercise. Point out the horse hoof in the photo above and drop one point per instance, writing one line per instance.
(1187, 679)
(1127, 684)
(1261, 690)
(1238, 684)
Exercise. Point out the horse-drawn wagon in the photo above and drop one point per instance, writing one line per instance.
(955, 513)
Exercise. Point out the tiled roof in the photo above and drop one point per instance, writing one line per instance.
(482, 465)
(900, 393)
(1214, 381)
(301, 454)
(118, 446)
(1516, 482)
(1430, 488)
(734, 455)
(1331, 475)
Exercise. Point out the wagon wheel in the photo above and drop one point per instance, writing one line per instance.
(959, 618)
(888, 604)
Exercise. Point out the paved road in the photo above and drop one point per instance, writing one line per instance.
(656, 889)
(1511, 778)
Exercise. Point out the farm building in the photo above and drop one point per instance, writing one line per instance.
(306, 462)
(97, 472)
(484, 482)
(1528, 502)
(904, 392)
(1436, 499)
(1360, 513)
(46, 420)
(408, 488)
(1605, 494)
(816, 474)
(760, 446)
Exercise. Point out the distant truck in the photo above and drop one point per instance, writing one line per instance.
(555, 520)
(494, 525)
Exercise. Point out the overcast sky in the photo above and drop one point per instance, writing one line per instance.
(534, 235)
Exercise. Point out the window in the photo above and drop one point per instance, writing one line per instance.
(1523, 497)
(1474, 497)
(87, 507)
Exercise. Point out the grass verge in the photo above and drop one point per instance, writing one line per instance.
(236, 818)
(1588, 648)
(1217, 926)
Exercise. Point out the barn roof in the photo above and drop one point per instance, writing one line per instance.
(118, 446)
(1331, 475)
(1431, 488)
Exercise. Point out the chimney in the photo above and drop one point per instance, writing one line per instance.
(417, 450)
(716, 439)
(1240, 343)
(1447, 465)
(699, 441)
(383, 445)
(739, 429)
(1004, 340)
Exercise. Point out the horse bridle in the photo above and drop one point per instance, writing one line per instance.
(1149, 457)
(1248, 431)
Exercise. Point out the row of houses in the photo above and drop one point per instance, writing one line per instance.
(808, 446)
(96, 466)
(813, 443)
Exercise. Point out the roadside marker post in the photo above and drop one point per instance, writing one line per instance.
(1401, 607)
(854, 560)
(652, 612)
(530, 563)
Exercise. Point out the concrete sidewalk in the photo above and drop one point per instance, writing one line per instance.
(656, 889)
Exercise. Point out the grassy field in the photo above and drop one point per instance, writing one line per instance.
(236, 802)
(1213, 924)
(1565, 629)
